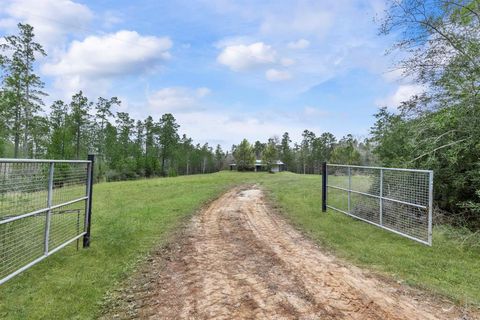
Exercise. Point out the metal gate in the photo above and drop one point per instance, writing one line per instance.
(44, 206)
(398, 200)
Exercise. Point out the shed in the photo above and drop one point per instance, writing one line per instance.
(277, 166)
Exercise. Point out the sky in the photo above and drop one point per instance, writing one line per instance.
(226, 69)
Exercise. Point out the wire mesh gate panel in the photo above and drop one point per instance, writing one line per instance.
(43, 208)
(399, 200)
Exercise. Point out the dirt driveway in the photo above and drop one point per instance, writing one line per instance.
(237, 259)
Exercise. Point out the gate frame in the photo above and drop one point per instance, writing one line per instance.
(325, 205)
(49, 208)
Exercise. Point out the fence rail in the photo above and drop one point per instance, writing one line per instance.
(395, 199)
(44, 206)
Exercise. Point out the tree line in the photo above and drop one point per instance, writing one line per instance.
(126, 148)
(439, 129)
(306, 156)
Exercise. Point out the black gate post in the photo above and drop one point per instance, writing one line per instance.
(86, 237)
(324, 186)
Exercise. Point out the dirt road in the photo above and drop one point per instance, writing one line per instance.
(239, 260)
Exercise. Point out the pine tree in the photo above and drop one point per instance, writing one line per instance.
(244, 156)
(23, 86)
(269, 154)
(79, 119)
(168, 139)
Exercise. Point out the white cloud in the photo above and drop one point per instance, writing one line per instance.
(299, 44)
(52, 20)
(403, 93)
(335, 35)
(243, 57)
(120, 53)
(277, 75)
(100, 58)
(177, 99)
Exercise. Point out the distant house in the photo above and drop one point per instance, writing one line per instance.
(278, 166)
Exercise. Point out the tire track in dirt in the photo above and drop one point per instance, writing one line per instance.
(237, 259)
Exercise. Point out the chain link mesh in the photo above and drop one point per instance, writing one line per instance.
(31, 226)
(395, 199)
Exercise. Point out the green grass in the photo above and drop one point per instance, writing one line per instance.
(450, 267)
(131, 218)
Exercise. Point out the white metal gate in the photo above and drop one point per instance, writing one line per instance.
(398, 200)
(44, 206)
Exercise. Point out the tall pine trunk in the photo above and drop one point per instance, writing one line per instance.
(27, 110)
(17, 132)
(163, 165)
(77, 147)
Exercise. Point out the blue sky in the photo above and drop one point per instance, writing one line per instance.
(226, 69)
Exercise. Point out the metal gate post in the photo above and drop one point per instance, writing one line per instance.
(430, 207)
(349, 186)
(49, 205)
(88, 211)
(324, 186)
(381, 197)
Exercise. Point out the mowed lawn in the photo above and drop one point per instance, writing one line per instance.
(131, 218)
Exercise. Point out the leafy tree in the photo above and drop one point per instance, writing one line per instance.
(258, 148)
(270, 154)
(441, 42)
(345, 152)
(326, 143)
(439, 129)
(392, 138)
(244, 156)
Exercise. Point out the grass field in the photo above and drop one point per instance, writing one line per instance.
(131, 218)
(450, 267)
